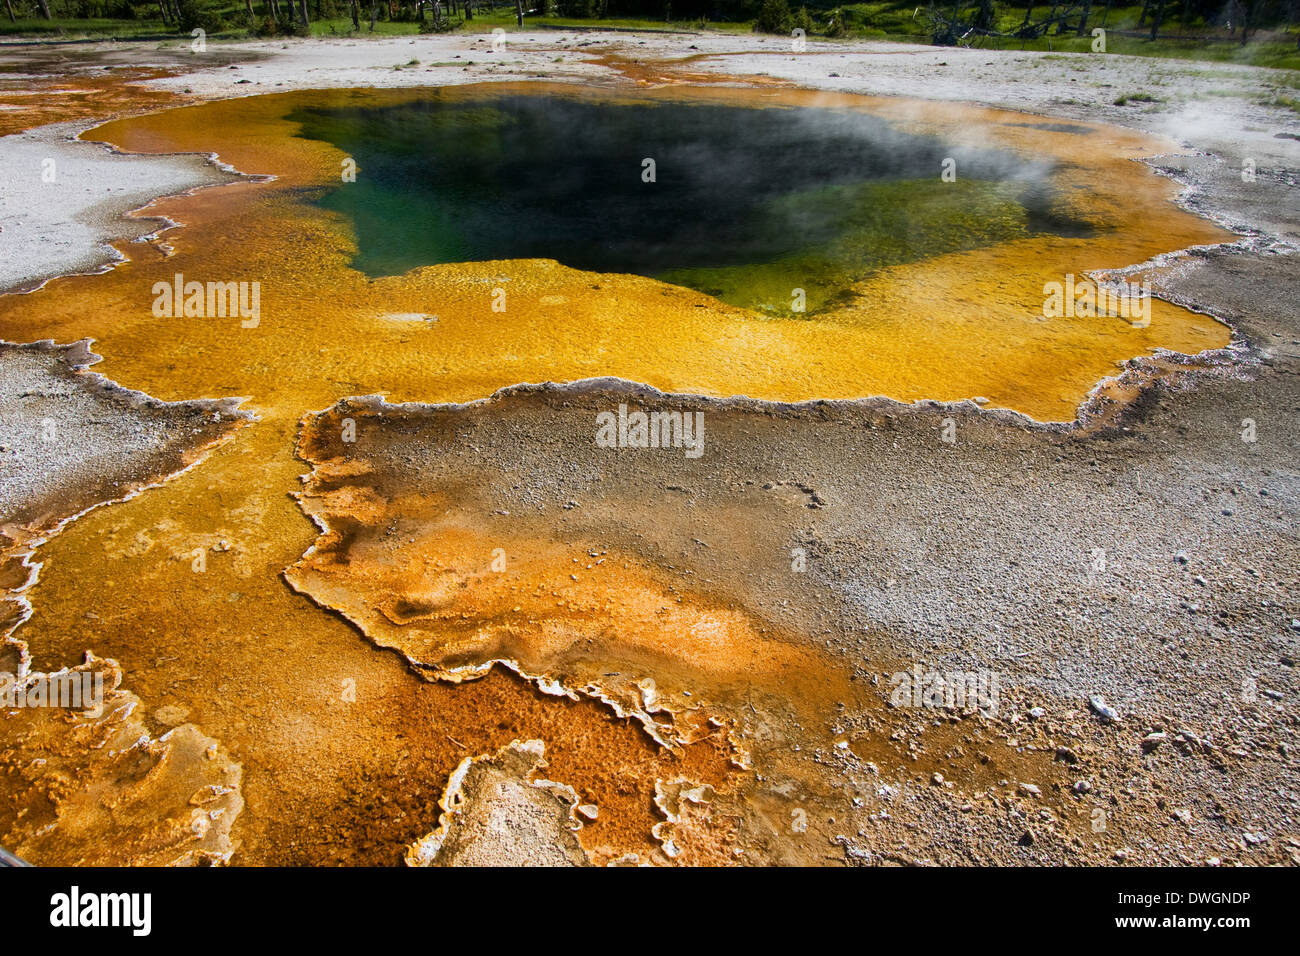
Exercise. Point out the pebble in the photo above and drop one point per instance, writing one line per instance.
(1102, 709)
(1037, 713)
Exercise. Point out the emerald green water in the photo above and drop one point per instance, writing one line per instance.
(747, 204)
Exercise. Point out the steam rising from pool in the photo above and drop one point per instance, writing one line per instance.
(742, 203)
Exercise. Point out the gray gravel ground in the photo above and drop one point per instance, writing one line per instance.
(62, 227)
(70, 438)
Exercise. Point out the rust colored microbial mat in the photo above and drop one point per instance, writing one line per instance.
(345, 743)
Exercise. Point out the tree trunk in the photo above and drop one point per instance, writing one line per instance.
(469, 9)
(302, 5)
(1156, 18)
(374, 12)
(45, 9)
(162, 9)
(273, 11)
(519, 11)
(1083, 20)
(10, 5)
(252, 17)
(356, 15)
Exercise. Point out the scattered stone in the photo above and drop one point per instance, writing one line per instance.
(1152, 741)
(1102, 709)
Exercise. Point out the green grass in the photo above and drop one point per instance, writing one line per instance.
(1287, 102)
(895, 21)
(40, 28)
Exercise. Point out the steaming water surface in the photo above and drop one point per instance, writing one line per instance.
(740, 202)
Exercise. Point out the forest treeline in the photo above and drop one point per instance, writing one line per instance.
(945, 22)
